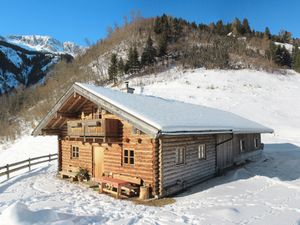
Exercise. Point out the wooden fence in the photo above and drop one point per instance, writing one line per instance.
(28, 163)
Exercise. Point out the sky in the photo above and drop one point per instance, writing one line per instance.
(81, 20)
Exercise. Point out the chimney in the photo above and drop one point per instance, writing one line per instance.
(128, 89)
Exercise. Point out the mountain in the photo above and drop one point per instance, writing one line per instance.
(25, 60)
(45, 44)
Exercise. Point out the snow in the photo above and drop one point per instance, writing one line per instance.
(287, 46)
(28, 146)
(45, 44)
(12, 55)
(9, 80)
(173, 116)
(266, 191)
(262, 192)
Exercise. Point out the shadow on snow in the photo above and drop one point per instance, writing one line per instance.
(280, 161)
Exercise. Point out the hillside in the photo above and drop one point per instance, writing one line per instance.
(150, 46)
(260, 191)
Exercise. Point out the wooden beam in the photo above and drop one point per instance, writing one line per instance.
(63, 123)
(56, 122)
(67, 114)
(74, 103)
(85, 101)
(51, 131)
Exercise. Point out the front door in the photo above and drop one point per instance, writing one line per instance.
(98, 153)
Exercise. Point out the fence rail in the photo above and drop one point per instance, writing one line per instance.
(28, 163)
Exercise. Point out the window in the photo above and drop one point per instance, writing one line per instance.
(135, 131)
(180, 155)
(242, 145)
(256, 142)
(201, 151)
(75, 152)
(128, 157)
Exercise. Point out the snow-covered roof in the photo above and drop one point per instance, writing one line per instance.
(173, 117)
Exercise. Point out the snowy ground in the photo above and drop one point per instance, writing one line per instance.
(262, 192)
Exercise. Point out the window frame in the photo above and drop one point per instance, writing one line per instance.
(136, 131)
(242, 145)
(75, 152)
(202, 151)
(180, 155)
(129, 157)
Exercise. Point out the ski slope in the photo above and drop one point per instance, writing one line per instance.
(263, 192)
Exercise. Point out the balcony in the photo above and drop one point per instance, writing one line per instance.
(93, 128)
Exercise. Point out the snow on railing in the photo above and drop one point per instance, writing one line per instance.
(10, 168)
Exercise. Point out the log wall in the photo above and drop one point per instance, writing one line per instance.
(144, 155)
(228, 151)
(85, 155)
(177, 177)
(144, 147)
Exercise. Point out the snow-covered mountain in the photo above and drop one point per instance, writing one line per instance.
(25, 60)
(45, 44)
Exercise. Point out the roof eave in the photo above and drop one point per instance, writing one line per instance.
(75, 88)
(38, 129)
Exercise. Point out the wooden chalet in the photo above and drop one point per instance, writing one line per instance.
(161, 144)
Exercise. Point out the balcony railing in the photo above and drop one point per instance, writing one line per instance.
(93, 128)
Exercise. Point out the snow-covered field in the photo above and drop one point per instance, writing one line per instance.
(262, 192)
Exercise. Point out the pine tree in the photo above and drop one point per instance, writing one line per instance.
(281, 56)
(245, 27)
(132, 64)
(121, 67)
(267, 33)
(271, 52)
(177, 29)
(157, 25)
(219, 27)
(161, 25)
(162, 45)
(149, 53)
(212, 27)
(285, 36)
(236, 26)
(296, 58)
(113, 68)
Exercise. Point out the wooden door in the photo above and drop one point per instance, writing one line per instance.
(98, 160)
(224, 152)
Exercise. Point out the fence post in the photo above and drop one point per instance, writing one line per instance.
(7, 171)
(29, 164)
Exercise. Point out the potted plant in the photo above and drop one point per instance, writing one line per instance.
(83, 174)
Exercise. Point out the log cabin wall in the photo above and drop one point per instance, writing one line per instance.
(144, 147)
(230, 151)
(85, 155)
(249, 142)
(176, 177)
(144, 154)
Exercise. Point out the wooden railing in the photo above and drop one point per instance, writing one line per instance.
(93, 128)
(88, 127)
(28, 163)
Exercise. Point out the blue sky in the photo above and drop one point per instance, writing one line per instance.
(75, 20)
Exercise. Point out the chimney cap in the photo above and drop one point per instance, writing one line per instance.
(127, 88)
